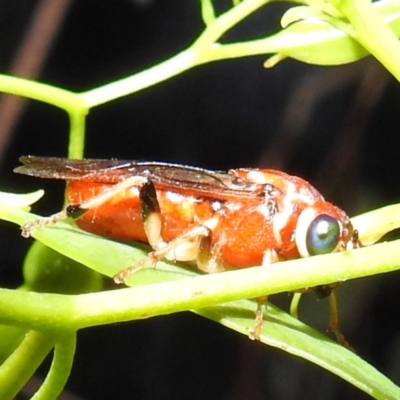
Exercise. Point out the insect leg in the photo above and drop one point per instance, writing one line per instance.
(77, 210)
(28, 228)
(334, 321)
(151, 215)
(185, 247)
(270, 256)
(259, 320)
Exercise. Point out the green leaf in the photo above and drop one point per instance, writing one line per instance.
(46, 270)
(20, 200)
(314, 41)
(291, 335)
(315, 37)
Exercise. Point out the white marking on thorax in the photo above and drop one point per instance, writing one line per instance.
(216, 205)
(264, 211)
(285, 204)
(173, 197)
(232, 206)
(285, 207)
(256, 177)
(281, 218)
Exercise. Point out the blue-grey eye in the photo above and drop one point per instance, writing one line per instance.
(322, 235)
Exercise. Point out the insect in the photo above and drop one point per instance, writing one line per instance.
(217, 220)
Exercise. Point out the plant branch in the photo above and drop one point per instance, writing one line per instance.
(21, 365)
(60, 369)
(61, 98)
(199, 53)
(74, 312)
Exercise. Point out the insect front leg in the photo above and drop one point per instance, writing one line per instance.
(334, 322)
(151, 215)
(270, 256)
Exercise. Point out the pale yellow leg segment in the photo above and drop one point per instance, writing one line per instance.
(183, 248)
(259, 320)
(270, 257)
(28, 228)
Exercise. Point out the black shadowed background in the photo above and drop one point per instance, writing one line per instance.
(337, 127)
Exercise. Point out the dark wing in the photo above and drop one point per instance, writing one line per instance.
(197, 181)
(107, 171)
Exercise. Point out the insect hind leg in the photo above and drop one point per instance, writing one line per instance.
(28, 228)
(75, 211)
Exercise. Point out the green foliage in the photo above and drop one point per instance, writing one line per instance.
(38, 320)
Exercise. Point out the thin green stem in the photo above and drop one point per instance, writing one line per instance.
(294, 304)
(244, 49)
(76, 143)
(367, 26)
(207, 11)
(224, 23)
(62, 98)
(67, 100)
(142, 80)
(60, 369)
(202, 51)
(23, 362)
(199, 53)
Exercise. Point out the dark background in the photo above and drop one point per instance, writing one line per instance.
(335, 126)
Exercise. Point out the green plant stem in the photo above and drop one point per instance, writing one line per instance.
(60, 368)
(294, 304)
(225, 22)
(61, 98)
(65, 99)
(21, 365)
(76, 143)
(202, 51)
(75, 312)
(199, 53)
(147, 78)
(369, 29)
(207, 11)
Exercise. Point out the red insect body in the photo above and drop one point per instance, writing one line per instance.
(252, 216)
(120, 217)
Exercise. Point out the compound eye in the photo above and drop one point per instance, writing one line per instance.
(323, 235)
